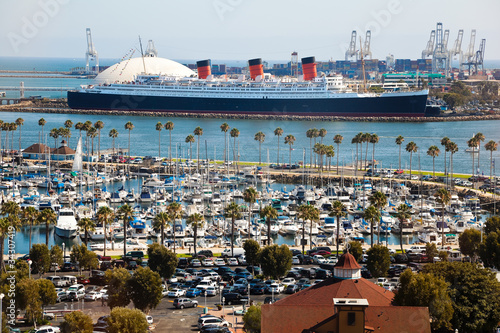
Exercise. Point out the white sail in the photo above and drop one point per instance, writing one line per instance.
(77, 162)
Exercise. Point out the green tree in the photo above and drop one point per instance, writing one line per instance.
(85, 258)
(356, 250)
(113, 133)
(42, 122)
(379, 200)
(491, 146)
(86, 224)
(433, 152)
(40, 258)
(159, 127)
(379, 260)
(161, 221)
(338, 140)
(444, 142)
(56, 255)
(105, 216)
(443, 197)
(47, 292)
(429, 291)
(234, 133)
(117, 280)
(126, 213)
(403, 214)
(162, 260)
(252, 252)
(169, 126)
(77, 322)
(195, 220)
(224, 128)
(54, 134)
(489, 250)
(290, 140)
(308, 213)
(233, 212)
(492, 225)
(411, 148)
(252, 319)
(144, 289)
(453, 100)
(475, 293)
(123, 320)
(469, 242)
(47, 217)
(452, 148)
(174, 211)
(190, 139)
(20, 123)
(276, 260)
(431, 251)
(28, 299)
(99, 125)
(269, 213)
(260, 137)
(198, 131)
(29, 216)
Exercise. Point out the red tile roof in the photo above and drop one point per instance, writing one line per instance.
(323, 293)
(37, 148)
(63, 150)
(347, 261)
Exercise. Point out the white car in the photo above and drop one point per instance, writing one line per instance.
(232, 262)
(219, 262)
(173, 279)
(93, 296)
(295, 260)
(288, 281)
(277, 288)
(48, 329)
(318, 259)
(242, 260)
(195, 263)
(207, 262)
(211, 291)
(176, 293)
(149, 319)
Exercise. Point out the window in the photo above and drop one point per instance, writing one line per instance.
(351, 318)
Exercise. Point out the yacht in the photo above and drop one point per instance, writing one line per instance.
(66, 226)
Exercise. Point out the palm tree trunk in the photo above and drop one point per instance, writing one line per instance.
(366, 154)
(373, 159)
(2, 262)
(170, 150)
(249, 221)
(338, 149)
(399, 157)
(129, 143)
(401, 235)
(433, 169)
(174, 236)
(473, 159)
(162, 236)
(125, 237)
(410, 163)
(195, 235)
(361, 151)
(225, 148)
(338, 236)
(198, 153)
(159, 143)
(46, 233)
(260, 144)
(232, 236)
(268, 231)
(99, 144)
(378, 229)
(86, 236)
(278, 162)
(290, 158)
(311, 153)
(31, 229)
(371, 233)
(105, 236)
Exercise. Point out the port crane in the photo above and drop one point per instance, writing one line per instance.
(430, 45)
(91, 54)
(468, 56)
(367, 53)
(440, 56)
(151, 50)
(457, 49)
(351, 51)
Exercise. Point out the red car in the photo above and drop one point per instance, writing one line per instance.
(321, 253)
(82, 280)
(398, 172)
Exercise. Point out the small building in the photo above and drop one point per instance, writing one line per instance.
(63, 153)
(37, 151)
(345, 303)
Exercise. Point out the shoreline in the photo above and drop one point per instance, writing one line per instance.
(58, 108)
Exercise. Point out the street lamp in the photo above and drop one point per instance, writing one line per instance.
(248, 294)
(64, 252)
(1, 313)
(223, 302)
(29, 271)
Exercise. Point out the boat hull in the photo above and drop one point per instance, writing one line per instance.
(66, 232)
(410, 104)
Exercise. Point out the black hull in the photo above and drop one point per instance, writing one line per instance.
(390, 106)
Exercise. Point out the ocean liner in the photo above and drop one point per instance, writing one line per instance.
(261, 94)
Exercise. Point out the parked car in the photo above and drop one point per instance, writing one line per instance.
(295, 260)
(47, 329)
(76, 295)
(193, 292)
(232, 262)
(195, 263)
(212, 320)
(258, 289)
(292, 289)
(276, 288)
(287, 281)
(211, 291)
(206, 253)
(62, 296)
(181, 303)
(234, 298)
(93, 296)
(176, 293)
(219, 262)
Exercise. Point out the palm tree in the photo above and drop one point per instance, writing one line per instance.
(315, 134)
(399, 141)
(444, 143)
(403, 214)
(6, 129)
(174, 211)
(86, 224)
(278, 132)
(30, 215)
(443, 197)
(234, 134)
(1, 129)
(411, 147)
(92, 133)
(233, 212)
(360, 140)
(338, 140)
(20, 123)
(473, 143)
(99, 125)
(8, 224)
(366, 138)
(371, 214)
(480, 138)
(68, 124)
(330, 152)
(169, 126)
(54, 133)
(250, 196)
(42, 122)
(373, 140)
(261, 137)
(47, 216)
(311, 213)
(452, 148)
(5, 231)
(269, 212)
(322, 133)
(491, 146)
(379, 201)
(198, 131)
(355, 140)
(104, 216)
(224, 128)
(113, 134)
(321, 150)
(12, 128)
(337, 210)
(289, 140)
(433, 151)
(126, 213)
(79, 126)
(196, 220)
(65, 133)
(190, 140)
(87, 126)
(310, 135)
(159, 127)
(129, 127)
(160, 221)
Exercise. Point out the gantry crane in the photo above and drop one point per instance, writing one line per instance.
(351, 51)
(91, 54)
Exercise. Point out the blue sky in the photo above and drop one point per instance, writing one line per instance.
(239, 29)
